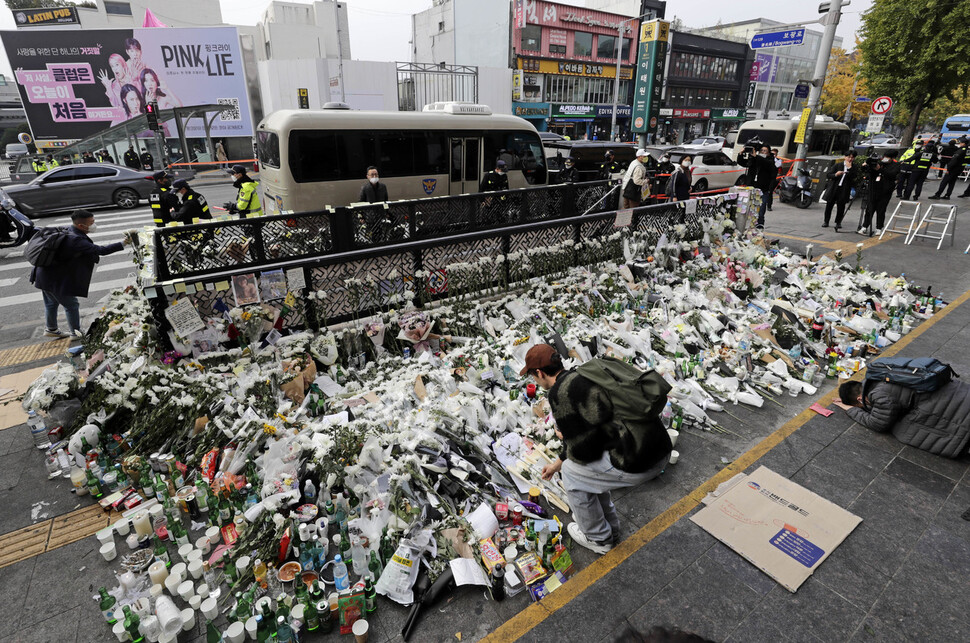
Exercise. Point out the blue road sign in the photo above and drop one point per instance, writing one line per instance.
(801, 91)
(861, 99)
(778, 39)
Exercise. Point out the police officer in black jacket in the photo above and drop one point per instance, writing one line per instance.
(496, 180)
(953, 170)
(922, 161)
(883, 174)
(162, 199)
(131, 158)
(194, 205)
(610, 167)
(569, 173)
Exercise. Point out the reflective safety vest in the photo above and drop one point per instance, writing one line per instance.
(247, 200)
(905, 158)
(40, 166)
(925, 161)
(162, 202)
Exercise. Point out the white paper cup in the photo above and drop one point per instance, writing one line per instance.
(122, 527)
(674, 434)
(195, 602)
(210, 608)
(185, 550)
(106, 535)
(214, 535)
(360, 629)
(203, 591)
(236, 633)
(195, 569)
(188, 619)
(108, 551)
(296, 614)
(674, 457)
(178, 571)
(186, 590)
(195, 554)
(142, 606)
(156, 591)
(168, 638)
(203, 545)
(251, 628)
(119, 631)
(172, 584)
(242, 564)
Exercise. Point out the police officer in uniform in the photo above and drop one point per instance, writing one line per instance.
(39, 165)
(953, 169)
(247, 203)
(922, 161)
(52, 162)
(610, 167)
(131, 158)
(147, 160)
(194, 205)
(162, 199)
(496, 180)
(907, 163)
(569, 174)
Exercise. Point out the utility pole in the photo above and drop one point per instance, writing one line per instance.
(616, 81)
(848, 110)
(831, 21)
(340, 51)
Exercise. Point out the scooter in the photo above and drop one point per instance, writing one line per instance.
(796, 189)
(15, 228)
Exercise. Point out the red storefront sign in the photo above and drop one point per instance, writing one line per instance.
(691, 113)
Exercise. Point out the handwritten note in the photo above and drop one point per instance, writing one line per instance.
(184, 318)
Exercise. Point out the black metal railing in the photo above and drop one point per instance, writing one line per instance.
(217, 246)
(366, 279)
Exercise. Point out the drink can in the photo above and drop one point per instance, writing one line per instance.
(517, 514)
(192, 505)
(55, 434)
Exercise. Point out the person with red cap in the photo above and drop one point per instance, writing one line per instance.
(593, 461)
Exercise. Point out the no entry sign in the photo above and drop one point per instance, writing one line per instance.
(882, 105)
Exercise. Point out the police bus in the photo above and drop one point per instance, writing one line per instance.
(313, 159)
(828, 136)
(954, 127)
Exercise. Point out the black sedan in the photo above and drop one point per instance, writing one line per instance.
(88, 185)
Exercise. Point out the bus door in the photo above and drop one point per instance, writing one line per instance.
(465, 166)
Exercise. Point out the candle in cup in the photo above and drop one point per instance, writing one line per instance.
(158, 572)
(143, 524)
(530, 390)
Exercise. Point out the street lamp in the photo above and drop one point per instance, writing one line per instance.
(616, 82)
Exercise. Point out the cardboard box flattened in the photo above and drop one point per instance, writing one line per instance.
(779, 526)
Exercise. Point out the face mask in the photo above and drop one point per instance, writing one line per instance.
(885, 159)
(569, 164)
(762, 155)
(666, 159)
(685, 163)
(374, 180)
(503, 171)
(93, 227)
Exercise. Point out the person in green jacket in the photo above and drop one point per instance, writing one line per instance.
(247, 198)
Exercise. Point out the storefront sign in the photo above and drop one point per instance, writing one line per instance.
(654, 36)
(303, 96)
(590, 21)
(573, 69)
(567, 110)
(549, 14)
(622, 111)
(728, 114)
(516, 84)
(666, 111)
(802, 126)
(558, 37)
(767, 68)
(691, 113)
(46, 17)
(530, 110)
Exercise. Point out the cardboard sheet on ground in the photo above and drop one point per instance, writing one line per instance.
(779, 526)
(12, 413)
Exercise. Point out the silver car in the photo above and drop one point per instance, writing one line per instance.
(87, 185)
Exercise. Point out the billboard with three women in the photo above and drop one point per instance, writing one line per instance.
(75, 84)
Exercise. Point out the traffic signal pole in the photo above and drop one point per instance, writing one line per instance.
(831, 21)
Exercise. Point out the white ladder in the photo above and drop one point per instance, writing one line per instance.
(897, 214)
(937, 214)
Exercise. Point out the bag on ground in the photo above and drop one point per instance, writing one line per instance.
(921, 374)
(43, 248)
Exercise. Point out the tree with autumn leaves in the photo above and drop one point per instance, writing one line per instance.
(843, 85)
(916, 52)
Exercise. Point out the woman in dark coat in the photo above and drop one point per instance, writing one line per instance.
(678, 186)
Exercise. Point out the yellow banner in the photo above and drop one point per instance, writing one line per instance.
(802, 126)
(569, 68)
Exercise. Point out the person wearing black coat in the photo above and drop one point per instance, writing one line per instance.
(761, 174)
(954, 168)
(69, 277)
(194, 206)
(883, 176)
(373, 191)
(937, 422)
(678, 185)
(842, 177)
(131, 158)
(569, 174)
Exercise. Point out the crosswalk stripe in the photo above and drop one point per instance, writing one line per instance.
(8, 282)
(117, 261)
(29, 298)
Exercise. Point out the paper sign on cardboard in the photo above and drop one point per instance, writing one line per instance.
(779, 526)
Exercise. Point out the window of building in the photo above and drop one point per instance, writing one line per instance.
(583, 44)
(441, 26)
(625, 54)
(557, 49)
(606, 47)
(531, 38)
(117, 8)
(701, 67)
(578, 89)
(699, 97)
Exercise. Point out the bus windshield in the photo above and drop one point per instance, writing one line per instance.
(769, 137)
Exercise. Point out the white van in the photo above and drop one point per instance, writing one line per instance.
(15, 150)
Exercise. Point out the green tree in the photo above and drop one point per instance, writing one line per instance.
(13, 5)
(915, 52)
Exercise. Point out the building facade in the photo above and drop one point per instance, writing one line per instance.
(706, 86)
(565, 61)
(778, 70)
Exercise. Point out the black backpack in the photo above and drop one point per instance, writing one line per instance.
(44, 246)
(921, 374)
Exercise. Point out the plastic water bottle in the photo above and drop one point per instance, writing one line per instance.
(37, 430)
(310, 492)
(341, 578)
